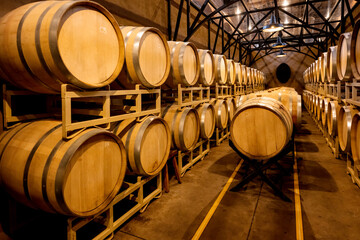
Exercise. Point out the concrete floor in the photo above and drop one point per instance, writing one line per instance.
(329, 200)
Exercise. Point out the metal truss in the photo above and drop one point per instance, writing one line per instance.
(319, 37)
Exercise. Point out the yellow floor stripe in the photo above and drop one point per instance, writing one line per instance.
(216, 204)
(299, 223)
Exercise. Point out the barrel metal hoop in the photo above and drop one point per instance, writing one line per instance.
(64, 163)
(137, 144)
(21, 53)
(30, 158)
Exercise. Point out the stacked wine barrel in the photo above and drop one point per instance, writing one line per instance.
(337, 116)
(47, 44)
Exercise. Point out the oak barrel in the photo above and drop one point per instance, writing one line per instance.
(206, 113)
(331, 64)
(238, 78)
(49, 43)
(231, 72)
(221, 113)
(221, 72)
(244, 74)
(185, 64)
(77, 177)
(147, 143)
(343, 66)
(269, 132)
(344, 121)
(323, 71)
(147, 58)
(231, 107)
(355, 138)
(324, 111)
(207, 67)
(355, 51)
(184, 126)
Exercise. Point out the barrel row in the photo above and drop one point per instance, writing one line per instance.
(339, 63)
(46, 44)
(338, 119)
(52, 174)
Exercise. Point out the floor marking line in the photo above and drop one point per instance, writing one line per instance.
(298, 214)
(211, 212)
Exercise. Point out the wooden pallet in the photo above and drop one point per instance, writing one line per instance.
(135, 192)
(187, 96)
(196, 154)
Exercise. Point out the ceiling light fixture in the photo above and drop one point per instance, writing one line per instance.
(273, 26)
(281, 53)
(279, 43)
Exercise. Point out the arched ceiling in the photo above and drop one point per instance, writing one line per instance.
(309, 25)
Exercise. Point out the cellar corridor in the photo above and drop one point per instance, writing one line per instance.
(254, 212)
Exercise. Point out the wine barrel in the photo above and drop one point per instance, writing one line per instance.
(343, 66)
(147, 143)
(355, 138)
(292, 101)
(231, 107)
(221, 113)
(331, 64)
(344, 126)
(185, 64)
(332, 116)
(324, 111)
(207, 67)
(323, 64)
(49, 43)
(317, 69)
(269, 133)
(238, 78)
(231, 72)
(242, 99)
(221, 72)
(249, 75)
(354, 51)
(147, 58)
(184, 126)
(244, 74)
(318, 107)
(206, 113)
(77, 177)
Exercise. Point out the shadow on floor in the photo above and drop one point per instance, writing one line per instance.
(306, 146)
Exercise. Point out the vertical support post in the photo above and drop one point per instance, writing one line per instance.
(178, 20)
(169, 19)
(342, 16)
(209, 31)
(66, 110)
(188, 17)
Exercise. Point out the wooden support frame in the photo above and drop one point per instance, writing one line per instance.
(221, 91)
(135, 191)
(196, 154)
(187, 96)
(221, 135)
(352, 169)
(10, 119)
(105, 117)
